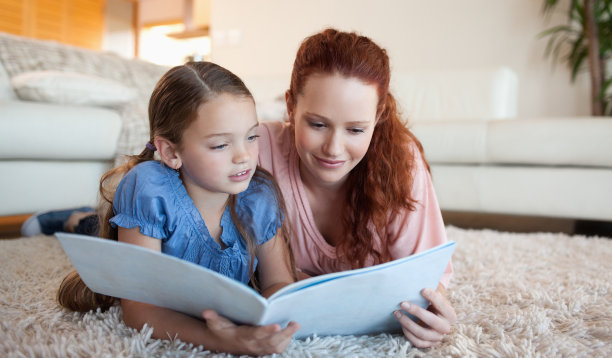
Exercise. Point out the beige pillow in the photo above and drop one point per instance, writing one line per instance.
(71, 88)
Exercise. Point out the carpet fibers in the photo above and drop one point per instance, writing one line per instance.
(516, 295)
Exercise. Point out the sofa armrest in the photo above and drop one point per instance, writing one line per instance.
(32, 130)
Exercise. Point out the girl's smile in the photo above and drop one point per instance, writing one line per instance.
(241, 176)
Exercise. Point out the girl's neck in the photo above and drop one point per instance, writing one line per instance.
(211, 207)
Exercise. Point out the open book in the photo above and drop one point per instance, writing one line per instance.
(358, 301)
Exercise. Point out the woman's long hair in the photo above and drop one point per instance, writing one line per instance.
(380, 185)
(173, 107)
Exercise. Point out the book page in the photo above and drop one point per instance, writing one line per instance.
(136, 273)
(361, 301)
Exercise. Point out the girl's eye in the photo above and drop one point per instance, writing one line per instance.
(356, 130)
(252, 138)
(218, 147)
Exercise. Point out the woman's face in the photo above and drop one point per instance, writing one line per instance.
(334, 121)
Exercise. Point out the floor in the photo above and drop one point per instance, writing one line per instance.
(10, 225)
(517, 223)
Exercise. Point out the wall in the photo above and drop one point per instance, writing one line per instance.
(118, 28)
(75, 22)
(261, 38)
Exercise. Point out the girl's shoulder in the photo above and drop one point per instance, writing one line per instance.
(259, 207)
(152, 169)
(150, 178)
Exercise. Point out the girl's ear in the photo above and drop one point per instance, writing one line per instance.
(168, 152)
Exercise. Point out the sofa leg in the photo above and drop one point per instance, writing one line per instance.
(10, 226)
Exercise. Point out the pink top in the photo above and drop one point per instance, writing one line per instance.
(416, 230)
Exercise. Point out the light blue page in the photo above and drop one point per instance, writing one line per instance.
(364, 301)
(133, 272)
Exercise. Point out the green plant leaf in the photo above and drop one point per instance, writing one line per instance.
(577, 64)
(555, 29)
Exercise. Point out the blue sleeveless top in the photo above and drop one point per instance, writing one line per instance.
(152, 197)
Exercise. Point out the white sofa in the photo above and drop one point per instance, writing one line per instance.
(66, 114)
(483, 158)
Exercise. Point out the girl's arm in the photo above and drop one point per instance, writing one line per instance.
(216, 334)
(274, 265)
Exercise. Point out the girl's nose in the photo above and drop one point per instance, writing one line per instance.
(241, 155)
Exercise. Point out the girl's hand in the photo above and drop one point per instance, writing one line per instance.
(434, 322)
(251, 340)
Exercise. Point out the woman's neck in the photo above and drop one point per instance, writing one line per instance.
(327, 204)
(320, 189)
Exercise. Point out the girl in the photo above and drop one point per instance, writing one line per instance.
(345, 153)
(204, 201)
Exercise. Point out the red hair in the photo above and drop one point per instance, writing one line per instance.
(379, 187)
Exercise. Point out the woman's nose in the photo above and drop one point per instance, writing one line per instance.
(334, 145)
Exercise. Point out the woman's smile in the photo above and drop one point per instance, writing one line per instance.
(329, 163)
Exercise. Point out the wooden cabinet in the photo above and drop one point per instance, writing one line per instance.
(74, 22)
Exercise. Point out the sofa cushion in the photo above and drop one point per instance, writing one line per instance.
(580, 141)
(31, 130)
(71, 88)
(483, 93)
(567, 192)
(530, 141)
(20, 54)
(450, 141)
(30, 186)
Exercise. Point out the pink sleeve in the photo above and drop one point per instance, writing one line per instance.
(422, 228)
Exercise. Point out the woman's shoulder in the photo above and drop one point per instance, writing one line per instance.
(273, 126)
(275, 132)
(275, 145)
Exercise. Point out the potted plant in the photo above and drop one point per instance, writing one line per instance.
(585, 41)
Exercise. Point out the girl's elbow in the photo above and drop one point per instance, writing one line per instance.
(133, 315)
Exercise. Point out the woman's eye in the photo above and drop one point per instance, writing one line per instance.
(252, 138)
(317, 124)
(356, 130)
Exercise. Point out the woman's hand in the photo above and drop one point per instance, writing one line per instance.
(434, 322)
(251, 340)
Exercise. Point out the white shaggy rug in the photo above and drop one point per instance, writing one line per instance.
(516, 295)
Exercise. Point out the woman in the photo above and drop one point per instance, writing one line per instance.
(345, 154)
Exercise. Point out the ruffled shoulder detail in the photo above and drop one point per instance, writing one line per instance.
(258, 207)
(150, 197)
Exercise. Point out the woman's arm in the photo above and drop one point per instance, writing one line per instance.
(216, 334)
(434, 322)
(418, 231)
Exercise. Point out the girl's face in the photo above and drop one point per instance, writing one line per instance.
(219, 149)
(334, 121)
